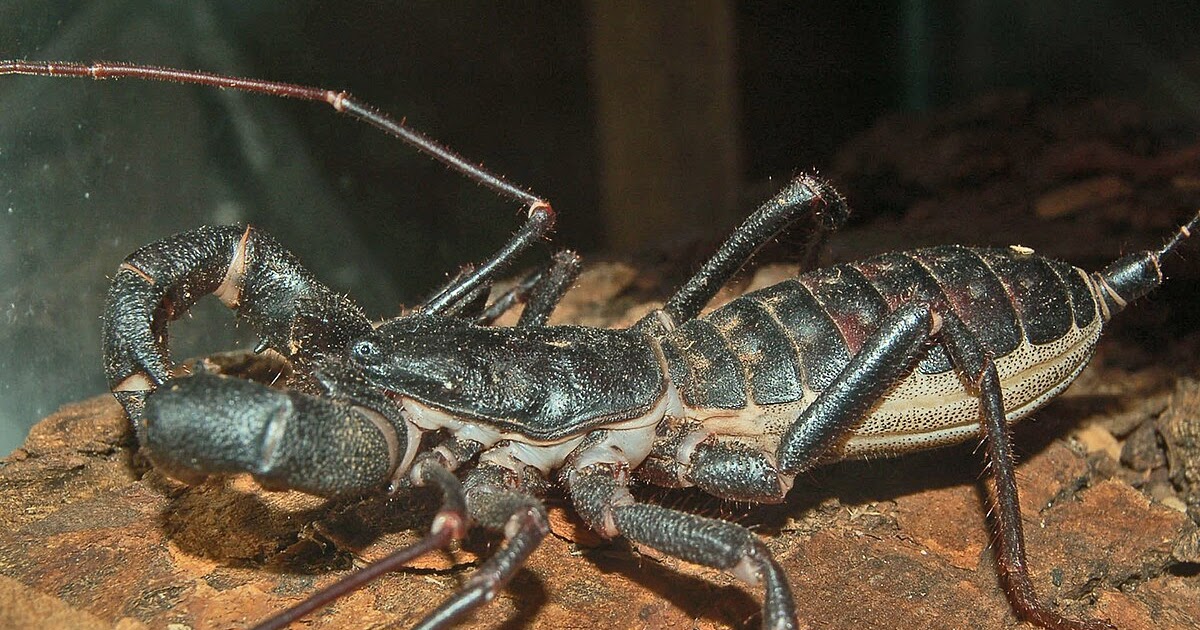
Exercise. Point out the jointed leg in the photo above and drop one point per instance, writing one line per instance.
(888, 356)
(491, 497)
(495, 502)
(449, 525)
(726, 468)
(803, 193)
(602, 498)
(537, 224)
(549, 290)
(974, 363)
(541, 292)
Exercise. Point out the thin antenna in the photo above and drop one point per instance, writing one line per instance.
(340, 101)
(540, 216)
(1180, 235)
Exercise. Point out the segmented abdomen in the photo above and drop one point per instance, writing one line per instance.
(775, 348)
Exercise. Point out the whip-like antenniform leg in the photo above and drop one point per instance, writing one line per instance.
(342, 102)
(491, 497)
(449, 525)
(495, 501)
(540, 216)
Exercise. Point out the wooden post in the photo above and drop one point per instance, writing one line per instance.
(666, 99)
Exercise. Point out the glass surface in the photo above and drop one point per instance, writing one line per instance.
(89, 171)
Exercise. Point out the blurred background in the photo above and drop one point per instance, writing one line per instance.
(649, 125)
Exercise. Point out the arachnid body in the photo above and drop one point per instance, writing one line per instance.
(895, 353)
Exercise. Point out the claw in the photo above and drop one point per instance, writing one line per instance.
(208, 424)
(292, 312)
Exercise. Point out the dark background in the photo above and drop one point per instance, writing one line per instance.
(89, 171)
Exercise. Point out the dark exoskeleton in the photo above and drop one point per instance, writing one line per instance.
(896, 353)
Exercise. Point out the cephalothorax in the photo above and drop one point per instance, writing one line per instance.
(895, 353)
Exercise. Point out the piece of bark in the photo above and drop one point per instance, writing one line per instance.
(1180, 430)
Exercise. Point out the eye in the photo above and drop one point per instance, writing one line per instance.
(364, 350)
